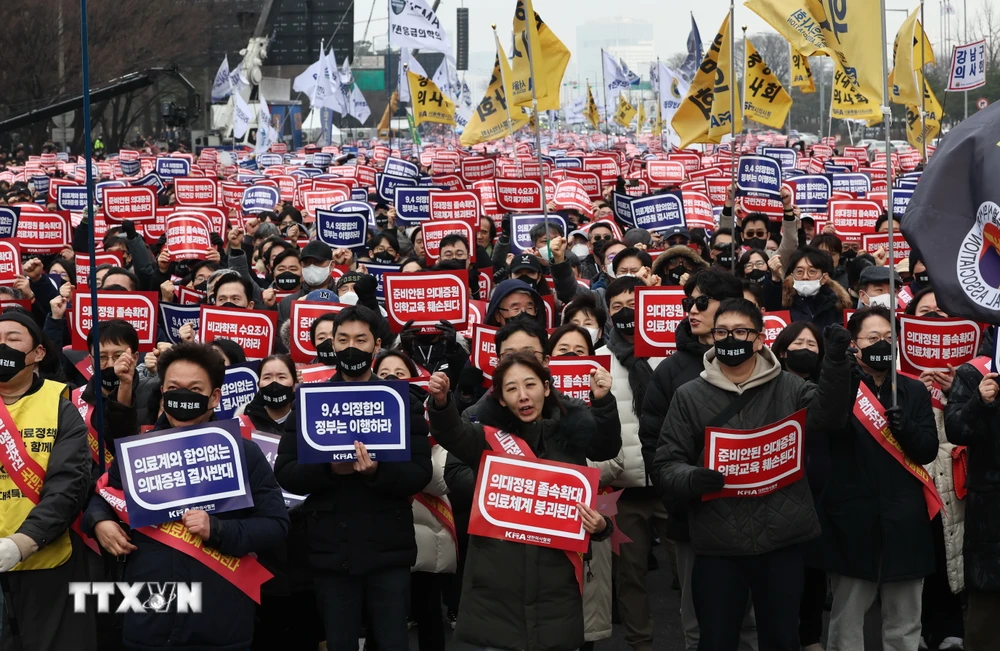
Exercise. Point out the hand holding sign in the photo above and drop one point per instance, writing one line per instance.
(364, 464)
(592, 521)
(198, 523)
(988, 388)
(438, 386)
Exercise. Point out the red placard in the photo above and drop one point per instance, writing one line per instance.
(10, 260)
(434, 231)
(571, 375)
(302, 316)
(114, 258)
(757, 462)
(571, 195)
(450, 181)
(138, 308)
(484, 352)
(196, 191)
(858, 153)
(188, 236)
(773, 208)
(488, 197)
(477, 314)
(854, 218)
(717, 189)
(872, 242)
(454, 204)
(43, 232)
(665, 172)
(427, 298)
(689, 159)
(533, 502)
(315, 372)
(287, 186)
(774, 323)
(54, 184)
(232, 194)
(929, 344)
(188, 296)
(697, 210)
(477, 169)
(321, 199)
(658, 312)
(519, 195)
(606, 166)
(253, 330)
(135, 203)
(590, 181)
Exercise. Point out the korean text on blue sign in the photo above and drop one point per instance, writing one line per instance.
(621, 204)
(387, 183)
(332, 416)
(758, 176)
(8, 220)
(341, 229)
(378, 271)
(173, 167)
(901, 200)
(785, 157)
(568, 163)
(319, 159)
(258, 198)
(238, 388)
(857, 183)
(268, 444)
(168, 472)
(40, 183)
(413, 204)
(150, 180)
(71, 197)
(359, 194)
(269, 160)
(398, 167)
(521, 226)
(99, 189)
(659, 212)
(812, 192)
(130, 167)
(174, 316)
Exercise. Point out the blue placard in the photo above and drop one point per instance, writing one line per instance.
(399, 167)
(307, 171)
(621, 205)
(268, 444)
(269, 160)
(238, 389)
(785, 157)
(359, 194)
(836, 169)
(568, 163)
(659, 212)
(341, 229)
(71, 197)
(8, 220)
(333, 415)
(81, 170)
(168, 472)
(319, 159)
(906, 183)
(387, 184)
(258, 198)
(857, 183)
(812, 192)
(151, 180)
(173, 167)
(521, 225)
(758, 176)
(100, 187)
(173, 316)
(356, 207)
(900, 200)
(249, 164)
(40, 183)
(913, 176)
(413, 205)
(378, 271)
(347, 149)
(130, 167)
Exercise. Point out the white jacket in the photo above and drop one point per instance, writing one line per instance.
(953, 514)
(635, 468)
(436, 549)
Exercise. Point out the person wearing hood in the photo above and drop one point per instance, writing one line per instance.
(808, 293)
(512, 298)
(676, 262)
(316, 261)
(746, 547)
(704, 292)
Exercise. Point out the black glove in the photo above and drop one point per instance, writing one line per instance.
(450, 339)
(836, 341)
(128, 227)
(216, 240)
(896, 419)
(474, 283)
(705, 481)
(365, 288)
(505, 227)
(408, 337)
(470, 379)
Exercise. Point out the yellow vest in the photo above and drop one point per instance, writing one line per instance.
(37, 417)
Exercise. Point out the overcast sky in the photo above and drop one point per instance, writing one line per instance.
(669, 19)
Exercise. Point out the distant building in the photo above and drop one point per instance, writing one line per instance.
(625, 38)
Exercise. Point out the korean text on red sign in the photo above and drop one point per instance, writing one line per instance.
(658, 312)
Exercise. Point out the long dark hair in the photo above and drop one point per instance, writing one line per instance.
(552, 401)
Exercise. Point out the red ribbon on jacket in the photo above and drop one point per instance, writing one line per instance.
(871, 414)
(514, 446)
(86, 412)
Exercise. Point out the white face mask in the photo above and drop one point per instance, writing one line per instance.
(610, 269)
(315, 275)
(881, 299)
(349, 298)
(580, 250)
(807, 287)
(594, 334)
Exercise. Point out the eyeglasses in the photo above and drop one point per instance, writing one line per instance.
(740, 334)
(514, 310)
(701, 303)
(873, 338)
(599, 238)
(812, 273)
(762, 234)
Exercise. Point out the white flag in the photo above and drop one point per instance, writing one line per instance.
(241, 116)
(413, 24)
(574, 111)
(359, 105)
(331, 96)
(266, 136)
(446, 79)
(237, 80)
(406, 58)
(633, 78)
(462, 116)
(673, 89)
(306, 82)
(615, 79)
(222, 87)
(466, 96)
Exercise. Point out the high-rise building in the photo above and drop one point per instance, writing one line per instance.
(625, 38)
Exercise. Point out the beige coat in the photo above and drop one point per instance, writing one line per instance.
(436, 549)
(597, 571)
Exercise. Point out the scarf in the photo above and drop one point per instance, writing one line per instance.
(640, 373)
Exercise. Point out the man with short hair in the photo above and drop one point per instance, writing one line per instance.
(746, 546)
(119, 276)
(360, 542)
(454, 246)
(233, 291)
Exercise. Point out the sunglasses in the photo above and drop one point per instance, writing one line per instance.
(701, 303)
(600, 238)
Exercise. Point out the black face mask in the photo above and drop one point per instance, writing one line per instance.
(229, 304)
(756, 243)
(933, 315)
(202, 286)
(325, 353)
(624, 320)
(569, 354)
(182, 268)
(757, 276)
(384, 257)
(11, 362)
(849, 254)
(674, 275)
(877, 357)
(382, 221)
(922, 279)
(109, 380)
(276, 394)
(733, 352)
(184, 405)
(353, 362)
(287, 280)
(802, 361)
(724, 257)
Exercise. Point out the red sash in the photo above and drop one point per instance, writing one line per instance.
(25, 472)
(441, 511)
(86, 412)
(514, 446)
(245, 573)
(871, 414)
(983, 364)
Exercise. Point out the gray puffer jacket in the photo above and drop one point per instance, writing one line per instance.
(738, 526)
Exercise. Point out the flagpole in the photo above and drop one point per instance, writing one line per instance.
(788, 124)
(659, 103)
(604, 82)
(506, 103)
(923, 123)
(538, 133)
(887, 121)
(733, 157)
(965, 17)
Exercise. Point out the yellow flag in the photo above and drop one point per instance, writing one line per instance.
(390, 110)
(658, 122)
(624, 112)
(551, 59)
(920, 42)
(902, 80)
(932, 118)
(767, 101)
(802, 74)
(489, 120)
(705, 115)
(429, 103)
(850, 33)
(642, 117)
(591, 112)
(848, 103)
